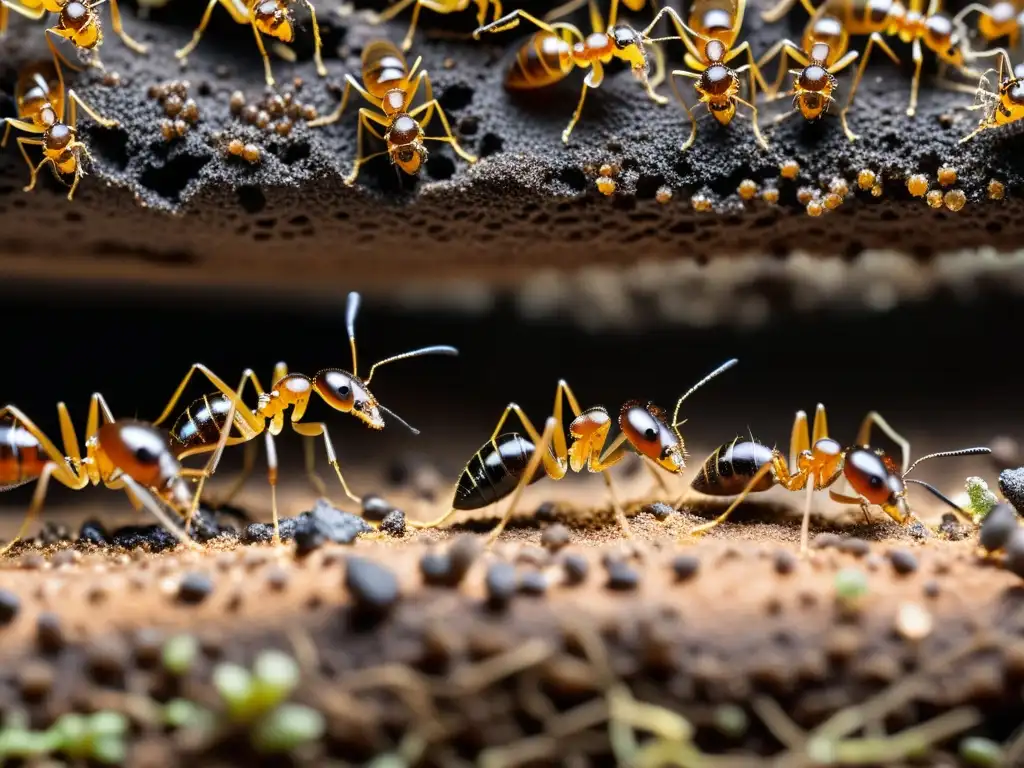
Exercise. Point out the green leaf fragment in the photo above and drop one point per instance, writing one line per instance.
(287, 728)
(180, 653)
(981, 752)
(981, 499)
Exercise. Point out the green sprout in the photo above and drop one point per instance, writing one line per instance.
(981, 752)
(981, 499)
(851, 584)
(179, 654)
(288, 727)
(99, 737)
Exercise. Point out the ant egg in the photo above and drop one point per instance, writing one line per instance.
(947, 176)
(251, 153)
(876, 190)
(770, 195)
(180, 127)
(173, 105)
(815, 208)
(606, 186)
(804, 195)
(701, 202)
(190, 111)
(606, 170)
(262, 119)
(839, 186)
(996, 190)
(167, 130)
(955, 199)
(789, 169)
(236, 147)
(833, 201)
(934, 198)
(236, 102)
(866, 178)
(917, 184)
(663, 195)
(747, 189)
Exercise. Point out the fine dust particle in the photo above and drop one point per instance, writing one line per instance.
(866, 178)
(790, 169)
(663, 195)
(876, 190)
(701, 202)
(917, 184)
(770, 196)
(947, 176)
(996, 190)
(839, 186)
(955, 199)
(833, 201)
(934, 198)
(606, 186)
(913, 621)
(747, 190)
(815, 208)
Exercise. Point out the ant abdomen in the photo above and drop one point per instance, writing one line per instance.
(727, 471)
(21, 455)
(494, 471)
(200, 424)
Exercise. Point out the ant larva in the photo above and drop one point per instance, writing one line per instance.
(41, 100)
(196, 429)
(437, 6)
(265, 17)
(390, 85)
(816, 462)
(558, 48)
(508, 462)
(1003, 106)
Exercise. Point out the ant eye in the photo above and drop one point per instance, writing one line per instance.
(145, 456)
(343, 391)
(876, 482)
(650, 433)
(358, 405)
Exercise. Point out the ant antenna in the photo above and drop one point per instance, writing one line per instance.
(399, 419)
(942, 454)
(940, 496)
(720, 369)
(351, 310)
(442, 349)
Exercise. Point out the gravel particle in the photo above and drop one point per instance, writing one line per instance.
(92, 532)
(307, 541)
(826, 540)
(194, 587)
(545, 512)
(622, 576)
(931, 588)
(373, 586)
(555, 536)
(436, 568)
(576, 568)
(685, 567)
(49, 633)
(277, 578)
(500, 583)
(1014, 561)
(10, 604)
(336, 525)
(463, 552)
(394, 523)
(375, 508)
(35, 679)
(998, 526)
(903, 562)
(659, 509)
(855, 546)
(533, 583)
(785, 562)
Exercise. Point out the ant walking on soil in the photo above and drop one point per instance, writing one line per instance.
(508, 462)
(816, 462)
(1003, 106)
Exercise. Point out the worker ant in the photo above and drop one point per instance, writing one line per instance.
(196, 429)
(508, 462)
(41, 111)
(390, 85)
(437, 6)
(1003, 106)
(265, 17)
(817, 461)
(1004, 18)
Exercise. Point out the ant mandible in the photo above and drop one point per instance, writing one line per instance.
(265, 17)
(390, 85)
(437, 6)
(1001, 107)
(817, 461)
(508, 462)
(41, 111)
(194, 429)
(552, 53)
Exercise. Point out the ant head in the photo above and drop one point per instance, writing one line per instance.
(405, 144)
(942, 36)
(1012, 92)
(814, 86)
(274, 20)
(878, 481)
(80, 21)
(347, 393)
(629, 47)
(58, 137)
(141, 451)
(647, 429)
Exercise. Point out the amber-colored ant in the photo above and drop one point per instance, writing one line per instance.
(77, 21)
(121, 454)
(197, 428)
(551, 54)
(816, 461)
(391, 86)
(508, 462)
(911, 23)
(437, 6)
(1001, 107)
(1004, 18)
(634, 6)
(265, 17)
(717, 23)
(41, 111)
(823, 54)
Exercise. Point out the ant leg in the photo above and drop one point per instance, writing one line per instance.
(683, 32)
(69, 437)
(272, 479)
(22, 10)
(693, 120)
(365, 120)
(449, 137)
(659, 76)
(317, 43)
(579, 105)
(315, 430)
(115, 22)
(267, 71)
(524, 480)
(620, 515)
(873, 40)
(393, 10)
(799, 437)
(761, 473)
(22, 143)
(753, 120)
(512, 20)
(777, 11)
(252, 421)
(181, 53)
(915, 84)
(755, 71)
(309, 448)
(875, 419)
(350, 82)
(564, 9)
(73, 100)
(788, 49)
(153, 507)
(38, 497)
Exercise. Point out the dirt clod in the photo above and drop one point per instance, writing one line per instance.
(659, 509)
(622, 576)
(10, 604)
(685, 567)
(555, 536)
(533, 583)
(394, 523)
(903, 562)
(375, 508)
(501, 584)
(194, 588)
(1011, 483)
(576, 567)
(373, 586)
(998, 526)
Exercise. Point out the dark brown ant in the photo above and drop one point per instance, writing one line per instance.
(508, 462)
(816, 462)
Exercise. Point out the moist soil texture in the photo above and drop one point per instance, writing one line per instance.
(186, 208)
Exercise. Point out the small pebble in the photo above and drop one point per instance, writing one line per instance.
(500, 583)
(998, 526)
(436, 569)
(1014, 561)
(914, 622)
(92, 532)
(955, 199)
(903, 562)
(622, 576)
(533, 583)
(685, 567)
(546, 513)
(10, 604)
(576, 568)
(785, 562)
(194, 588)
(855, 546)
(555, 536)
(277, 577)
(35, 679)
(826, 540)
(308, 540)
(49, 632)
(394, 523)
(659, 509)
(462, 553)
(373, 586)
(931, 588)
(375, 508)
(533, 555)
(1011, 483)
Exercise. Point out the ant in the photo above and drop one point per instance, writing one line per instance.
(551, 54)
(121, 454)
(437, 6)
(1002, 107)
(508, 462)
(1003, 19)
(77, 21)
(717, 23)
(197, 427)
(266, 17)
(390, 85)
(634, 6)
(817, 461)
(912, 23)
(823, 54)
(41, 111)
